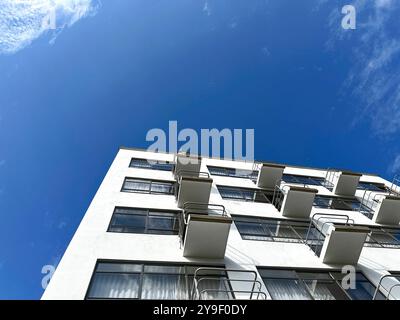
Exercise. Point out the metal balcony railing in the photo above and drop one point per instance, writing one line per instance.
(317, 242)
(388, 290)
(214, 283)
(197, 208)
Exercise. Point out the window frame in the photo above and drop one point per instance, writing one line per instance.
(158, 166)
(143, 264)
(147, 217)
(302, 280)
(150, 182)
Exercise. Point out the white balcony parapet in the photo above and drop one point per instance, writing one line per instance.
(297, 201)
(193, 187)
(188, 164)
(344, 183)
(204, 230)
(343, 240)
(269, 175)
(387, 210)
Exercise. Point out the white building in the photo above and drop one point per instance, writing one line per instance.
(210, 228)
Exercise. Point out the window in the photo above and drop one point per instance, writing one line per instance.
(382, 237)
(338, 203)
(252, 228)
(114, 280)
(304, 180)
(232, 172)
(245, 194)
(148, 186)
(136, 220)
(370, 186)
(314, 285)
(151, 164)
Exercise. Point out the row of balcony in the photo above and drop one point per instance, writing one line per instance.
(204, 227)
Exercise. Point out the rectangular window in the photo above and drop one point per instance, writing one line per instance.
(136, 220)
(151, 164)
(245, 194)
(370, 186)
(264, 229)
(232, 172)
(114, 280)
(314, 285)
(148, 186)
(303, 180)
(339, 203)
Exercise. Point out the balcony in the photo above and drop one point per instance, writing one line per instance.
(340, 241)
(204, 230)
(294, 202)
(187, 163)
(193, 187)
(226, 284)
(386, 210)
(344, 183)
(269, 175)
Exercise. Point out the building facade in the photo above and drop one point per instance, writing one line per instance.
(167, 226)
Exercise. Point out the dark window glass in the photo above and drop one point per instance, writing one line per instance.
(148, 186)
(306, 285)
(134, 220)
(244, 194)
(232, 172)
(151, 164)
(252, 228)
(304, 180)
(112, 280)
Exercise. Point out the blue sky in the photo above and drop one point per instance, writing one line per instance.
(316, 95)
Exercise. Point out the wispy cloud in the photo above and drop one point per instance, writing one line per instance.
(206, 8)
(374, 47)
(23, 21)
(62, 225)
(395, 165)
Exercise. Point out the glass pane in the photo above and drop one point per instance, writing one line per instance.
(210, 287)
(128, 220)
(321, 290)
(116, 286)
(157, 187)
(136, 211)
(164, 269)
(286, 289)
(136, 185)
(280, 230)
(118, 267)
(161, 223)
(164, 286)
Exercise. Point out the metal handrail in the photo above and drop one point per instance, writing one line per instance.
(190, 173)
(316, 221)
(395, 185)
(229, 280)
(199, 207)
(279, 194)
(380, 285)
(188, 210)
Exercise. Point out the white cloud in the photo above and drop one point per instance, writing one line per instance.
(23, 21)
(374, 48)
(61, 225)
(395, 165)
(206, 8)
